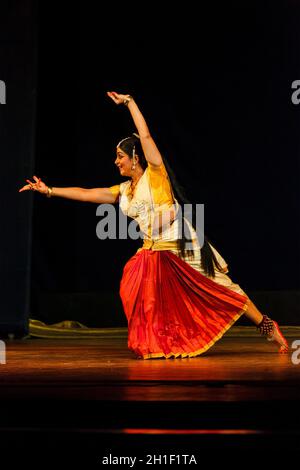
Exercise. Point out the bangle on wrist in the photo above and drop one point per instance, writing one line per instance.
(49, 191)
(126, 100)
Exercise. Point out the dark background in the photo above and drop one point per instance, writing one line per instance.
(18, 69)
(215, 87)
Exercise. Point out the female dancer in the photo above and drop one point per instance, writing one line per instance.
(176, 294)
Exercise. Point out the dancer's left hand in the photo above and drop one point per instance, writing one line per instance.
(117, 97)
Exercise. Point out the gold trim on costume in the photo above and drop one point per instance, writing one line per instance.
(206, 347)
(115, 190)
(159, 245)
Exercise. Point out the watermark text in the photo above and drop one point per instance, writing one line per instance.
(296, 354)
(2, 352)
(154, 223)
(2, 92)
(296, 94)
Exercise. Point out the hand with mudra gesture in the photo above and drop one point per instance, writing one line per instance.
(38, 186)
(118, 98)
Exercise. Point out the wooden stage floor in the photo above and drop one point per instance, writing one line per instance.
(240, 394)
(240, 366)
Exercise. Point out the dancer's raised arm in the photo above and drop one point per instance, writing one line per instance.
(151, 152)
(97, 195)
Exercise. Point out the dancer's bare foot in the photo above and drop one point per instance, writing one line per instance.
(270, 329)
(279, 338)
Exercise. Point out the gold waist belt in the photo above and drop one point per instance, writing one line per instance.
(159, 245)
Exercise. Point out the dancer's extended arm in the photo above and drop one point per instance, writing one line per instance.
(151, 152)
(97, 195)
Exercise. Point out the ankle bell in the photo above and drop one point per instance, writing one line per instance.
(266, 326)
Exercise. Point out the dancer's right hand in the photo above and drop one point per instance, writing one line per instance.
(38, 186)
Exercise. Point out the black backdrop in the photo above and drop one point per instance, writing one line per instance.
(215, 87)
(18, 53)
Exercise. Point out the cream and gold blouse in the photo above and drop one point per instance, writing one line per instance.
(152, 199)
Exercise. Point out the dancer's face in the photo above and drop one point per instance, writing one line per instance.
(124, 163)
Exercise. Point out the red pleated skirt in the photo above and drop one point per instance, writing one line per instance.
(172, 309)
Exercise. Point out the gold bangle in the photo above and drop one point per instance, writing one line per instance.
(126, 101)
(49, 191)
